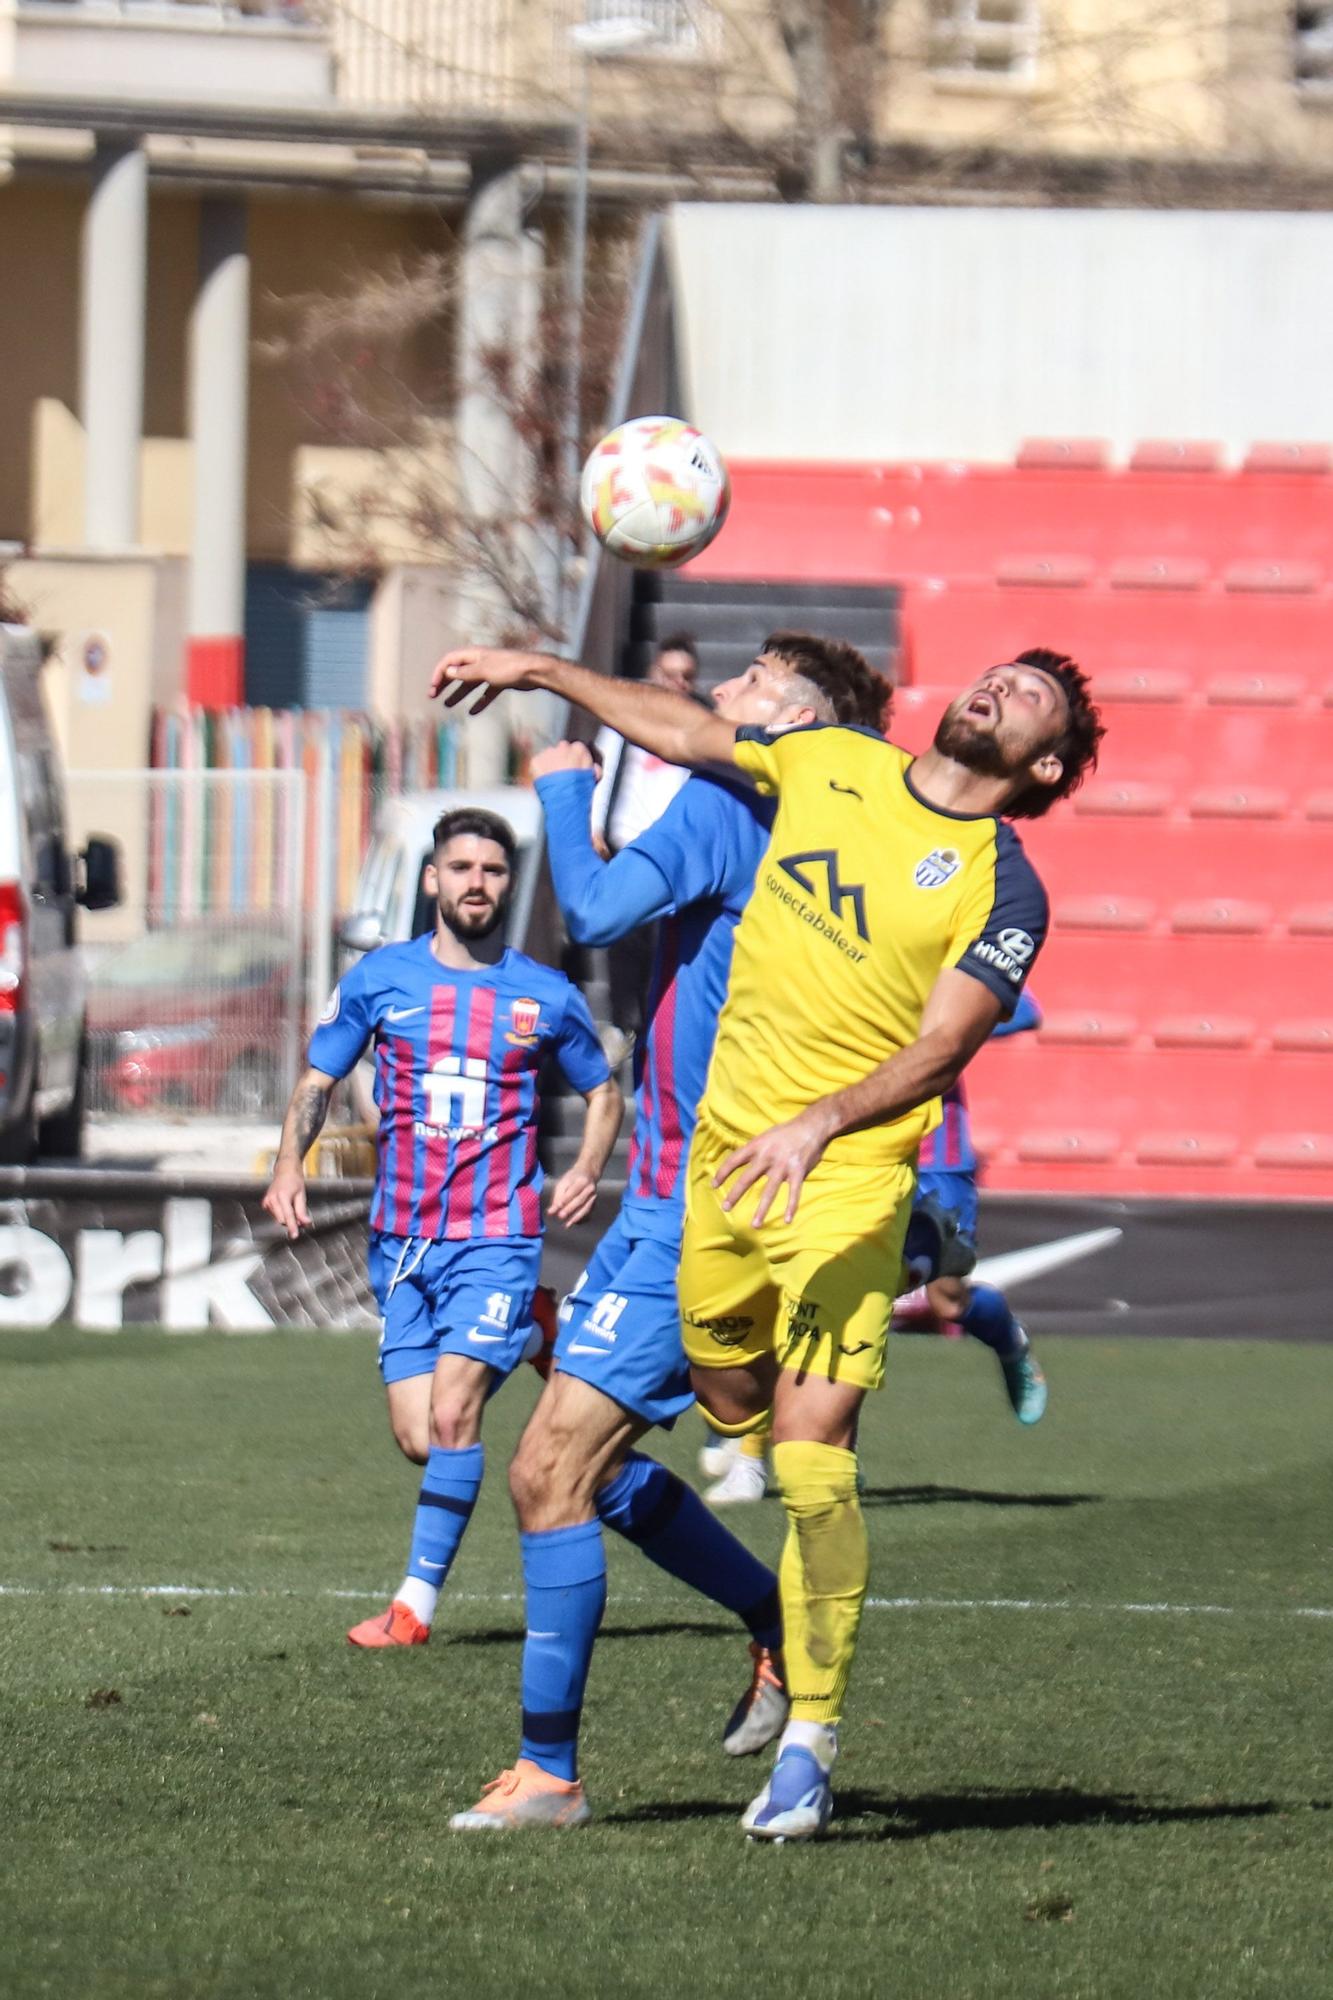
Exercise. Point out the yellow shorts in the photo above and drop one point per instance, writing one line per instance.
(817, 1291)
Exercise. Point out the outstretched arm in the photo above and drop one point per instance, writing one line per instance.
(670, 725)
(286, 1200)
(600, 900)
(959, 1015)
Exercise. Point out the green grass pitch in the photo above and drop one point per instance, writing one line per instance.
(214, 1797)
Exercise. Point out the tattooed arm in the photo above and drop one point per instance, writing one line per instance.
(286, 1200)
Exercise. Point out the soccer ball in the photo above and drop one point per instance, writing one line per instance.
(655, 492)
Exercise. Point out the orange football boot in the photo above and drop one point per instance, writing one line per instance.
(398, 1626)
(525, 1796)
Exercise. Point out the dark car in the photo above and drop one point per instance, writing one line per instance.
(200, 1017)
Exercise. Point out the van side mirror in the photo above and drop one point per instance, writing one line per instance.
(100, 888)
(362, 932)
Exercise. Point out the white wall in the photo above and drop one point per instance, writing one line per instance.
(902, 333)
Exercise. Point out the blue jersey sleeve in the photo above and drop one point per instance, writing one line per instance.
(577, 1046)
(600, 900)
(347, 1023)
(693, 844)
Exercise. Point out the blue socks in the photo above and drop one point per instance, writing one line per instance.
(564, 1571)
(649, 1506)
(989, 1320)
(449, 1489)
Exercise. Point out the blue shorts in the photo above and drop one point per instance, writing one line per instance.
(472, 1297)
(620, 1326)
(955, 1189)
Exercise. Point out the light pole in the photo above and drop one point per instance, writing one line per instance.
(592, 41)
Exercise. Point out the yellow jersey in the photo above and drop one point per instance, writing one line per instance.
(865, 895)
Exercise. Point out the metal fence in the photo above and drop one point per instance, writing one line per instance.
(200, 984)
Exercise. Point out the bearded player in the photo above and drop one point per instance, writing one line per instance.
(894, 922)
(619, 1366)
(460, 1025)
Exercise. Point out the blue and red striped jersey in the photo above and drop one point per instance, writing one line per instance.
(949, 1148)
(456, 1062)
(694, 869)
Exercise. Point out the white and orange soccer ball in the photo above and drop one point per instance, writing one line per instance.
(655, 492)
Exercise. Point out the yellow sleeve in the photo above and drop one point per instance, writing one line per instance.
(757, 754)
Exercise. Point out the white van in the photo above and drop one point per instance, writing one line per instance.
(391, 904)
(43, 1033)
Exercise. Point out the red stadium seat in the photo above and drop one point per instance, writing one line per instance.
(1152, 978)
(1081, 454)
(1282, 864)
(1306, 458)
(1175, 455)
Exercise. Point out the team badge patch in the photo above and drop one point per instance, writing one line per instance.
(937, 867)
(523, 1018)
(332, 1008)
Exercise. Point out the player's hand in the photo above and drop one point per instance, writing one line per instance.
(286, 1201)
(572, 1196)
(780, 1157)
(489, 668)
(562, 757)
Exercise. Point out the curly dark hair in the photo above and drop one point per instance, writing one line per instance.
(1080, 735)
(846, 679)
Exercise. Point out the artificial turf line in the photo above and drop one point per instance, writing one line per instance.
(631, 1597)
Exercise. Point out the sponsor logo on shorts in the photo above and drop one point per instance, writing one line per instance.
(936, 868)
(729, 1330)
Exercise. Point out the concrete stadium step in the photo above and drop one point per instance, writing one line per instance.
(720, 622)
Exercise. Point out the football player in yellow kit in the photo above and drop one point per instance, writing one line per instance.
(894, 921)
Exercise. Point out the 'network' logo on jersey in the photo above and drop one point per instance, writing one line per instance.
(838, 891)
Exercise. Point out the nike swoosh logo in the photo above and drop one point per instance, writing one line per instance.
(429, 1565)
(474, 1335)
(849, 790)
(577, 1347)
(403, 1013)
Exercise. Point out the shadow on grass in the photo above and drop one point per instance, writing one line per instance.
(666, 1628)
(931, 1813)
(934, 1496)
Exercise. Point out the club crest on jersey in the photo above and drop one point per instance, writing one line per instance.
(523, 1018)
(937, 867)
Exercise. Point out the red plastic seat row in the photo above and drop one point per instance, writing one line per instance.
(1169, 454)
(1130, 798)
(1131, 1094)
(1143, 980)
(1282, 867)
(1181, 746)
(1134, 644)
(851, 523)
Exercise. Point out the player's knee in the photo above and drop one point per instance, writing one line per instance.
(736, 1398)
(456, 1427)
(549, 1480)
(412, 1437)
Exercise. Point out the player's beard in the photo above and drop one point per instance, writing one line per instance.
(473, 922)
(977, 750)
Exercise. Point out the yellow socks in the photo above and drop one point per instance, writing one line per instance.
(754, 1444)
(823, 1576)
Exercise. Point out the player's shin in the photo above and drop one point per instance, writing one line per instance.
(823, 1577)
(665, 1518)
(564, 1574)
(449, 1489)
